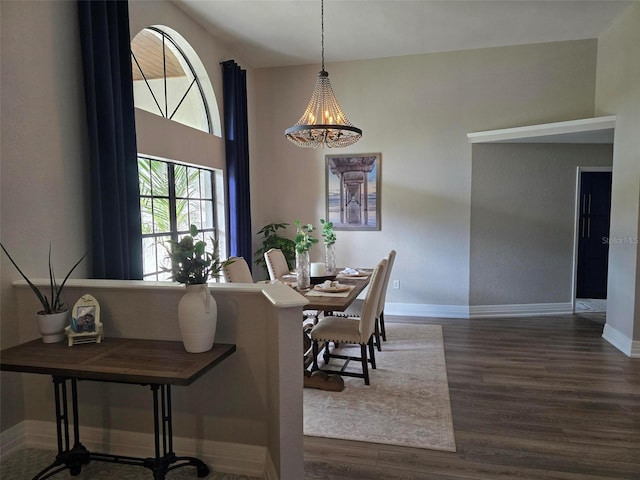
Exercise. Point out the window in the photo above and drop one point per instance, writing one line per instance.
(169, 80)
(173, 197)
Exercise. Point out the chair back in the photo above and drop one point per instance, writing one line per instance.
(276, 263)
(369, 306)
(387, 275)
(237, 271)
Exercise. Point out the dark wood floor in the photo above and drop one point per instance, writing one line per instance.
(532, 398)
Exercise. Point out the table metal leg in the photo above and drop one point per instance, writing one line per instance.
(74, 458)
(163, 434)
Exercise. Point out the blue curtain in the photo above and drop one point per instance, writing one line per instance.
(237, 155)
(116, 234)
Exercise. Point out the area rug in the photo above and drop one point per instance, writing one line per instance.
(406, 404)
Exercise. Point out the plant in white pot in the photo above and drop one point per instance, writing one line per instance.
(192, 265)
(54, 315)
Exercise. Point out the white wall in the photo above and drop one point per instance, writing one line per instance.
(618, 92)
(416, 111)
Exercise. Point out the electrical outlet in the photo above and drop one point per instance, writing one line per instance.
(396, 284)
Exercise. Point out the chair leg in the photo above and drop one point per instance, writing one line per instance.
(314, 350)
(372, 353)
(376, 332)
(365, 366)
(383, 331)
(326, 355)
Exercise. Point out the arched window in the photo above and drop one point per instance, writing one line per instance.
(169, 80)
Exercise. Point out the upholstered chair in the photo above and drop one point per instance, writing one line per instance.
(357, 331)
(237, 271)
(356, 307)
(276, 263)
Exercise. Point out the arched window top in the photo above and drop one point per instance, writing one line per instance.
(169, 80)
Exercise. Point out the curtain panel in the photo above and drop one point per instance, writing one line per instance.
(236, 129)
(116, 236)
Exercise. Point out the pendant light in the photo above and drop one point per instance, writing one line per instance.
(323, 122)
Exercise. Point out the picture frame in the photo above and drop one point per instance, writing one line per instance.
(86, 326)
(352, 191)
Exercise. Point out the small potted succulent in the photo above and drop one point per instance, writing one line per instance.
(54, 316)
(192, 265)
(304, 240)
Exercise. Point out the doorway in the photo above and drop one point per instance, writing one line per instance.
(593, 213)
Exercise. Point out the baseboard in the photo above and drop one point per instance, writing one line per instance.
(520, 310)
(631, 348)
(477, 311)
(426, 310)
(241, 459)
(270, 472)
(12, 439)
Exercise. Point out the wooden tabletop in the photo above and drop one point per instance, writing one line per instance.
(115, 360)
(338, 304)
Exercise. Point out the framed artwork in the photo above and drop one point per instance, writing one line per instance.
(353, 191)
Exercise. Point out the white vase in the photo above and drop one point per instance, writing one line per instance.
(51, 326)
(197, 317)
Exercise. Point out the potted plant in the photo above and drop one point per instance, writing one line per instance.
(272, 239)
(329, 237)
(54, 315)
(304, 240)
(192, 265)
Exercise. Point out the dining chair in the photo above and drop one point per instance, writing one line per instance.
(276, 263)
(358, 331)
(277, 266)
(356, 307)
(236, 270)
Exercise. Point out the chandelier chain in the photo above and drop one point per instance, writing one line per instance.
(322, 29)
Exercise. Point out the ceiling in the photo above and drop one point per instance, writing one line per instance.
(275, 33)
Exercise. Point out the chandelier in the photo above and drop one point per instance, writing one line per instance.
(323, 122)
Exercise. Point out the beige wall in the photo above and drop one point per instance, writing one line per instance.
(522, 220)
(416, 111)
(43, 156)
(618, 92)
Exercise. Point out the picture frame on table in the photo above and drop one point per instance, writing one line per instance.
(352, 191)
(86, 326)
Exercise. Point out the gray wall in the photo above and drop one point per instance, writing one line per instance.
(618, 92)
(522, 220)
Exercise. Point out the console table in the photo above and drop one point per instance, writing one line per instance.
(156, 363)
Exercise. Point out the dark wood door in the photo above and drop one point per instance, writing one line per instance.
(593, 234)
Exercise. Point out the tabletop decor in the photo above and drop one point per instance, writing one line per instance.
(353, 191)
(54, 316)
(86, 326)
(304, 240)
(329, 237)
(192, 265)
